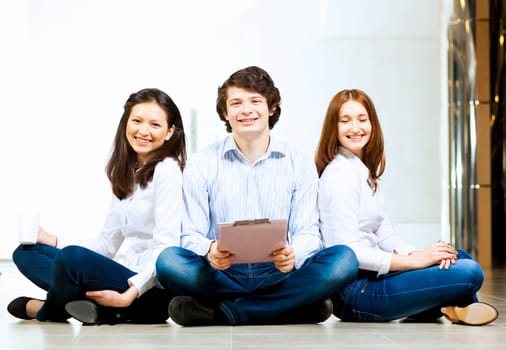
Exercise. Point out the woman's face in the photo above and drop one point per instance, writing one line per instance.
(354, 127)
(147, 129)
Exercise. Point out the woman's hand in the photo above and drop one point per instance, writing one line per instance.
(113, 298)
(46, 238)
(439, 253)
(441, 248)
(220, 260)
(284, 259)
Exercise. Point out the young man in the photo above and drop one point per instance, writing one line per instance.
(251, 175)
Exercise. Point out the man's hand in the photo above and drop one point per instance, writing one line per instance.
(220, 260)
(284, 259)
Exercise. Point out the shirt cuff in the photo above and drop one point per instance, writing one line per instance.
(386, 261)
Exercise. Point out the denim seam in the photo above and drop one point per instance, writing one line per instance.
(228, 313)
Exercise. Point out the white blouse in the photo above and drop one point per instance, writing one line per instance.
(351, 213)
(149, 220)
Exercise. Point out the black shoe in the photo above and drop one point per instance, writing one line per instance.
(188, 311)
(90, 313)
(312, 313)
(17, 307)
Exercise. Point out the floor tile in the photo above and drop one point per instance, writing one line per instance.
(331, 334)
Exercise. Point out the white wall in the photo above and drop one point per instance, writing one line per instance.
(72, 64)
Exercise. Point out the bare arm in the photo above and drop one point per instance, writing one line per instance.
(439, 253)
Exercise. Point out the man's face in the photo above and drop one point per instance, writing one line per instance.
(247, 112)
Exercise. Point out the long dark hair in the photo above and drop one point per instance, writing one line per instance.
(373, 154)
(121, 167)
(255, 79)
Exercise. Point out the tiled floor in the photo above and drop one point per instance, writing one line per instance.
(332, 334)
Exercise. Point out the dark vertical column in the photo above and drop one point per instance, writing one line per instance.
(461, 95)
(470, 108)
(498, 129)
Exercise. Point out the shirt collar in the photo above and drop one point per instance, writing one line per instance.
(350, 155)
(276, 148)
(346, 152)
(364, 170)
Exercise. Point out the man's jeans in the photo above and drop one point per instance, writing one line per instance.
(252, 293)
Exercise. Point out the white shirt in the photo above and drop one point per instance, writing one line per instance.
(220, 185)
(149, 220)
(352, 213)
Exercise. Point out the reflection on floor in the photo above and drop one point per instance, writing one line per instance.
(332, 334)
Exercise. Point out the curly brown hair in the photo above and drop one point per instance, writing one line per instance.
(255, 79)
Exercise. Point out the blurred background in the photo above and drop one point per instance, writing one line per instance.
(67, 68)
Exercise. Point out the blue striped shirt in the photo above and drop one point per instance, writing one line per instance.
(220, 185)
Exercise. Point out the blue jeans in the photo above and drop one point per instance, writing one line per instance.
(418, 294)
(255, 293)
(66, 274)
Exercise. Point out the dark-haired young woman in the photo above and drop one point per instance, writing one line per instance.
(82, 279)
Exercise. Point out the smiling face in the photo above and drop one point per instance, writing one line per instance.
(247, 112)
(147, 129)
(354, 127)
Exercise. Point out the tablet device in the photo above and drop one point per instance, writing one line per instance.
(252, 241)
